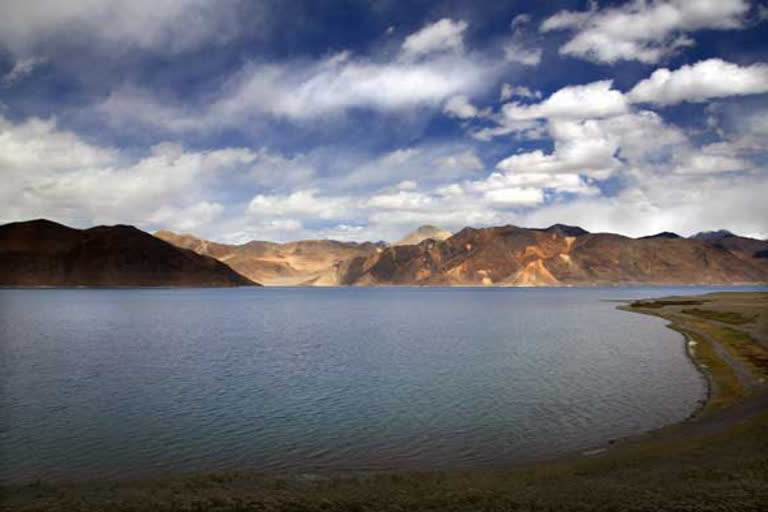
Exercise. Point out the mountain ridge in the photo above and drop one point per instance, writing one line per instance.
(45, 253)
(560, 255)
(48, 253)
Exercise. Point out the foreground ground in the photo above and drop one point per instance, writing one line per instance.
(716, 461)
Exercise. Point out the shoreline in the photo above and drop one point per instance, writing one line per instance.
(719, 443)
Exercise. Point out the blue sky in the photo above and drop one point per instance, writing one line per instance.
(240, 120)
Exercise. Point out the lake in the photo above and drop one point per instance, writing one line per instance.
(144, 382)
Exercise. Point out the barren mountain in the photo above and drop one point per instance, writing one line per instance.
(561, 255)
(426, 232)
(44, 253)
(308, 262)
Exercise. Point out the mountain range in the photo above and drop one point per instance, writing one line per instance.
(559, 255)
(43, 253)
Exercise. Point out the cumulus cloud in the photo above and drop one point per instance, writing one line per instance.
(581, 147)
(707, 79)
(597, 99)
(443, 35)
(646, 31)
(54, 173)
(515, 196)
(302, 203)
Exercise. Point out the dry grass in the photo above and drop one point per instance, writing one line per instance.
(728, 317)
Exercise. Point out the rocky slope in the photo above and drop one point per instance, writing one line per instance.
(44, 253)
(561, 255)
(426, 232)
(309, 262)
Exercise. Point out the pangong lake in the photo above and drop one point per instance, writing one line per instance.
(142, 382)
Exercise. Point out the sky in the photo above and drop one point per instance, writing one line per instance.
(360, 120)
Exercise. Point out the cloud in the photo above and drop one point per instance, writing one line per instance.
(156, 25)
(516, 52)
(519, 47)
(707, 79)
(54, 173)
(301, 203)
(646, 31)
(509, 91)
(515, 196)
(597, 99)
(443, 35)
(427, 164)
(712, 158)
(459, 106)
(301, 91)
(581, 147)
(21, 69)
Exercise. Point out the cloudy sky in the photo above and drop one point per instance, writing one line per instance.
(360, 120)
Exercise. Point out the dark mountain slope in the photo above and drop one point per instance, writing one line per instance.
(44, 253)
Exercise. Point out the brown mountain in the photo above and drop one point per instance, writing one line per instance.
(308, 262)
(426, 232)
(44, 253)
(561, 255)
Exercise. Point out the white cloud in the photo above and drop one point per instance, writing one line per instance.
(401, 200)
(646, 31)
(53, 173)
(302, 91)
(509, 91)
(21, 68)
(517, 52)
(425, 164)
(597, 99)
(712, 158)
(459, 106)
(157, 25)
(274, 170)
(515, 196)
(519, 48)
(301, 203)
(713, 78)
(443, 35)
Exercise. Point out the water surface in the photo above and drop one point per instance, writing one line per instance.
(140, 382)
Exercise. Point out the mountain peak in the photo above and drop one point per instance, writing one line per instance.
(566, 230)
(427, 231)
(664, 234)
(713, 235)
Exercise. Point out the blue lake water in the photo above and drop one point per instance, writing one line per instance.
(142, 382)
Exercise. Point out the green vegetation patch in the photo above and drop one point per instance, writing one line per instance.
(728, 317)
(743, 346)
(657, 304)
(726, 387)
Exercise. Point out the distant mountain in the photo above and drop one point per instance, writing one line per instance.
(308, 262)
(663, 234)
(513, 256)
(713, 235)
(564, 230)
(426, 232)
(44, 253)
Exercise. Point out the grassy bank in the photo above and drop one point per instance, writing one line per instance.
(717, 461)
